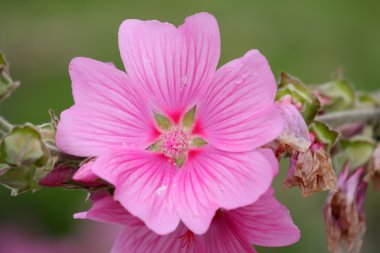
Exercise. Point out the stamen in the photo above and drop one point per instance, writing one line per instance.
(187, 239)
(174, 143)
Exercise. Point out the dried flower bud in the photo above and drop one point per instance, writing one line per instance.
(374, 169)
(344, 213)
(311, 171)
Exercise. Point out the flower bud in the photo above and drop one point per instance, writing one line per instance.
(344, 213)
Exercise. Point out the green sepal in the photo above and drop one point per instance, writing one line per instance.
(197, 142)
(366, 100)
(189, 118)
(23, 146)
(324, 133)
(294, 88)
(357, 151)
(7, 85)
(162, 121)
(180, 161)
(154, 147)
(19, 179)
(339, 93)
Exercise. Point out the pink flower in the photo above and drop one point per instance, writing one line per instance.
(176, 138)
(264, 223)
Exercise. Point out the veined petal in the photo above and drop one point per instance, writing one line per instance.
(107, 112)
(171, 65)
(213, 179)
(295, 133)
(266, 222)
(106, 209)
(237, 112)
(143, 240)
(143, 182)
(225, 237)
(86, 176)
(222, 237)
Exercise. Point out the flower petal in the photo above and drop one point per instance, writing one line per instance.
(106, 209)
(86, 176)
(266, 222)
(171, 65)
(143, 240)
(295, 133)
(225, 237)
(237, 112)
(143, 182)
(213, 179)
(107, 112)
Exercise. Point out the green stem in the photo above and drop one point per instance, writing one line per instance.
(5, 126)
(350, 116)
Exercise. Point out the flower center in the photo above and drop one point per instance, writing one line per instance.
(174, 143)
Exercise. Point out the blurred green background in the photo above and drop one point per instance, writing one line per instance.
(309, 39)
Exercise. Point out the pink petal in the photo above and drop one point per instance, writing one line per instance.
(143, 182)
(213, 179)
(86, 176)
(106, 209)
(295, 132)
(225, 237)
(237, 112)
(143, 240)
(107, 112)
(58, 177)
(171, 65)
(222, 237)
(266, 222)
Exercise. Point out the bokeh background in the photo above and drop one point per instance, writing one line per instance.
(309, 39)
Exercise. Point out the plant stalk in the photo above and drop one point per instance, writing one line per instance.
(5, 126)
(350, 116)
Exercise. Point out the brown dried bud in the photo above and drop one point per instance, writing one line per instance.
(374, 169)
(311, 171)
(344, 213)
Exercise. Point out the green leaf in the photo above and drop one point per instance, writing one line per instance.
(162, 121)
(198, 142)
(189, 118)
(23, 146)
(324, 133)
(357, 151)
(293, 87)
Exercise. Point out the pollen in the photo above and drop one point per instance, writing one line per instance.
(174, 143)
